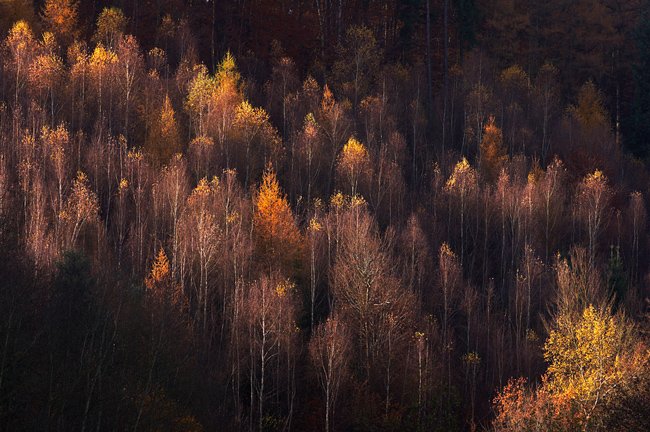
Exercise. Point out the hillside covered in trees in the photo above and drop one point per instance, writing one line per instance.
(315, 215)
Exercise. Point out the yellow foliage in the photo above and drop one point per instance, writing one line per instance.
(20, 39)
(159, 270)
(203, 188)
(357, 201)
(101, 59)
(314, 225)
(48, 42)
(337, 200)
(354, 153)
(353, 161)
(201, 89)
(471, 358)
(135, 155)
(45, 71)
(227, 75)
(584, 354)
(310, 128)
(596, 178)
(445, 251)
(283, 288)
(462, 178)
(248, 116)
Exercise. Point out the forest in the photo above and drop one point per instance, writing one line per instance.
(318, 215)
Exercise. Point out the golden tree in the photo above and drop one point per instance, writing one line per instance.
(101, 65)
(493, 153)
(594, 361)
(353, 164)
(159, 270)
(461, 186)
(585, 355)
(253, 130)
(160, 284)
(164, 139)
(22, 48)
(278, 239)
(199, 93)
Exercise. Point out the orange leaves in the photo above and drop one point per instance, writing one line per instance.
(61, 17)
(167, 119)
(20, 39)
(162, 289)
(493, 154)
(45, 71)
(278, 237)
(21, 45)
(159, 270)
(227, 75)
(100, 65)
(56, 141)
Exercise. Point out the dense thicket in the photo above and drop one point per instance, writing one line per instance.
(398, 215)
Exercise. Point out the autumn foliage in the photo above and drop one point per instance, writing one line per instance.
(319, 215)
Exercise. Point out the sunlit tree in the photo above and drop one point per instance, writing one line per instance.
(278, 240)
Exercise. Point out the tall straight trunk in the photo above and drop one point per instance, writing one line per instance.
(214, 2)
(429, 72)
(446, 76)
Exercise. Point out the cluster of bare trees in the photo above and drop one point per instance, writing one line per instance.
(299, 254)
